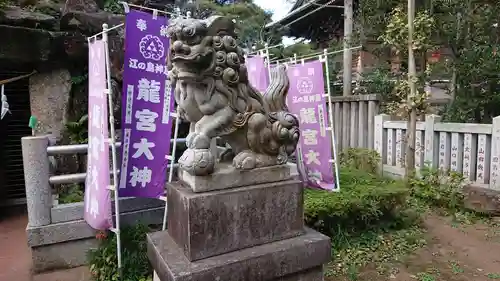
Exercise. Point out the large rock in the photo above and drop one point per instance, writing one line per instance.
(49, 100)
(39, 48)
(483, 200)
(87, 6)
(89, 23)
(16, 16)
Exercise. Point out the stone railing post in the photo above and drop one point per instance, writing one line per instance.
(495, 154)
(373, 110)
(36, 178)
(431, 145)
(380, 137)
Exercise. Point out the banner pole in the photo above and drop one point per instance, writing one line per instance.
(172, 162)
(113, 148)
(268, 61)
(330, 117)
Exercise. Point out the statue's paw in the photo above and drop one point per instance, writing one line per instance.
(245, 160)
(198, 162)
(197, 141)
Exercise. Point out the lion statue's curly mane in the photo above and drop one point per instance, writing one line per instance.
(207, 70)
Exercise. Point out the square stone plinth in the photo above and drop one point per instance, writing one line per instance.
(226, 176)
(295, 259)
(213, 223)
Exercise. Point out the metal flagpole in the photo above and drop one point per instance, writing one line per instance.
(171, 157)
(172, 162)
(268, 61)
(330, 116)
(114, 187)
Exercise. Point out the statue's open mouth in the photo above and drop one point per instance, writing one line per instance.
(191, 66)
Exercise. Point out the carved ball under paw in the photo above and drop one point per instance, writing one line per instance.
(245, 160)
(197, 141)
(198, 162)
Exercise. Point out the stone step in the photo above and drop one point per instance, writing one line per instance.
(296, 259)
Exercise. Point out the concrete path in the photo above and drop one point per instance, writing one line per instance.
(15, 255)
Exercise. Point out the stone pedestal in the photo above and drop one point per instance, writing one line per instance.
(227, 229)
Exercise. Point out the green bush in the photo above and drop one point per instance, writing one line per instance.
(361, 159)
(103, 261)
(71, 193)
(364, 201)
(440, 189)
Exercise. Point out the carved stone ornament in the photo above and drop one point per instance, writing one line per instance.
(207, 70)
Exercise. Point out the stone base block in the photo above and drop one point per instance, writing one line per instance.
(213, 223)
(226, 176)
(62, 255)
(65, 245)
(295, 259)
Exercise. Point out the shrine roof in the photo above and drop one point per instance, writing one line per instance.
(311, 19)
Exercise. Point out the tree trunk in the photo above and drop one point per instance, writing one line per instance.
(412, 122)
(348, 23)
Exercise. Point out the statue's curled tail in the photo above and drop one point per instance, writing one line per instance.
(283, 126)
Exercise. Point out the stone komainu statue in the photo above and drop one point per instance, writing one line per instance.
(207, 70)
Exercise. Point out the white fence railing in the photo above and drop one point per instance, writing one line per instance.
(470, 149)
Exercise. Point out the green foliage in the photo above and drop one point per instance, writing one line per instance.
(393, 89)
(360, 158)
(373, 221)
(439, 189)
(77, 80)
(365, 201)
(250, 21)
(299, 49)
(4, 3)
(71, 194)
(395, 36)
(113, 6)
(379, 81)
(374, 14)
(376, 249)
(478, 92)
(369, 220)
(78, 130)
(396, 30)
(467, 31)
(135, 264)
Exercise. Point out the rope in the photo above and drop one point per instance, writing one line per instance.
(5, 81)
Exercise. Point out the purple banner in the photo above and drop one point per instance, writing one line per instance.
(147, 104)
(258, 75)
(306, 100)
(97, 195)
